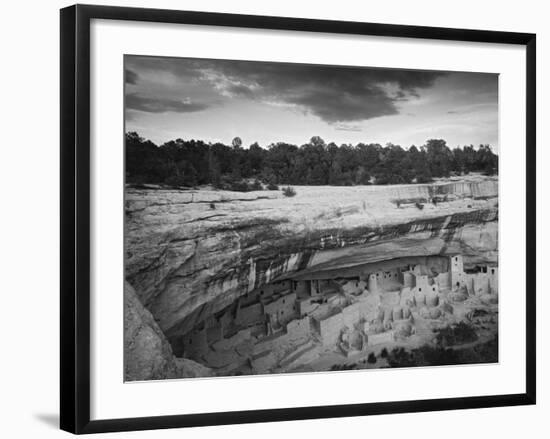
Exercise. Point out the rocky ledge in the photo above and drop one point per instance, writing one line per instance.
(190, 253)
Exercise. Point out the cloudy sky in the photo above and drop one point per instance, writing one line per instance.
(216, 100)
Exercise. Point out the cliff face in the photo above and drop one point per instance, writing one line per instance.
(192, 253)
(147, 353)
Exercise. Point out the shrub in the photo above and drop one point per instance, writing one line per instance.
(424, 178)
(438, 356)
(456, 335)
(289, 191)
(372, 358)
(212, 206)
(399, 357)
(351, 366)
(478, 312)
(384, 353)
(419, 206)
(175, 181)
(256, 185)
(272, 187)
(239, 186)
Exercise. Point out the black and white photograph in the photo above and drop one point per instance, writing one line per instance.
(268, 219)
(286, 218)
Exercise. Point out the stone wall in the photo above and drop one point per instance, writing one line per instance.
(330, 329)
(298, 328)
(195, 344)
(382, 337)
(283, 307)
(249, 315)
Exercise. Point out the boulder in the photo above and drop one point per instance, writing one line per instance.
(147, 353)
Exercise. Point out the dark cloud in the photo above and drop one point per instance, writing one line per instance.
(159, 105)
(336, 105)
(130, 77)
(333, 93)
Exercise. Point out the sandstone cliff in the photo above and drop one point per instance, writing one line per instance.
(191, 253)
(147, 353)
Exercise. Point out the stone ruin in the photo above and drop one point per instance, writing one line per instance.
(288, 323)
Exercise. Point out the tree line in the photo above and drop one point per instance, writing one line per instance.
(194, 162)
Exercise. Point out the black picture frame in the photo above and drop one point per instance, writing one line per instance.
(75, 217)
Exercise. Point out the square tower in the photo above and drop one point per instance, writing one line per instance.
(493, 279)
(372, 284)
(457, 265)
(458, 277)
